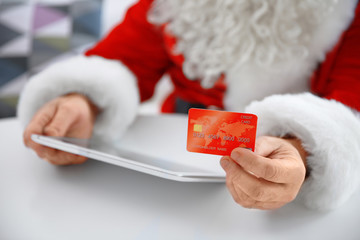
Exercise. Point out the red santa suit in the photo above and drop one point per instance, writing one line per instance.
(123, 69)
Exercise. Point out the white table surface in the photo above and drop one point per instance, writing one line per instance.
(101, 201)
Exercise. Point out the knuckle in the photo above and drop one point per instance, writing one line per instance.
(248, 205)
(53, 130)
(243, 200)
(245, 204)
(67, 109)
(290, 197)
(258, 193)
(229, 182)
(237, 199)
(270, 172)
(44, 119)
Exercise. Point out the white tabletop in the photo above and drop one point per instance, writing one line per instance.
(101, 201)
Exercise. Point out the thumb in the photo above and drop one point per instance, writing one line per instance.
(244, 157)
(229, 166)
(248, 160)
(273, 170)
(61, 122)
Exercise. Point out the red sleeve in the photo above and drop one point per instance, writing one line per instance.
(338, 77)
(139, 45)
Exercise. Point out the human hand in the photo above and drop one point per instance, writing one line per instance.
(269, 178)
(72, 115)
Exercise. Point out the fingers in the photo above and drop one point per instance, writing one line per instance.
(238, 196)
(63, 119)
(36, 126)
(59, 126)
(248, 195)
(64, 158)
(52, 120)
(269, 169)
(266, 179)
(254, 188)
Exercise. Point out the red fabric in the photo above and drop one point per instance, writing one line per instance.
(338, 77)
(169, 104)
(148, 52)
(139, 45)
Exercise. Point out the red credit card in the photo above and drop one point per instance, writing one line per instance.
(219, 132)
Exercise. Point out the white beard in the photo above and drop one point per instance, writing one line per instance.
(218, 35)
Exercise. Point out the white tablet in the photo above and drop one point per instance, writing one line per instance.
(154, 145)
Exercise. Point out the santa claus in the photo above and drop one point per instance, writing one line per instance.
(295, 64)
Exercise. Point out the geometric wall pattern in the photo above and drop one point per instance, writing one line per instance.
(34, 34)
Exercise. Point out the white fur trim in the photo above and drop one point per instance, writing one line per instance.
(108, 83)
(330, 133)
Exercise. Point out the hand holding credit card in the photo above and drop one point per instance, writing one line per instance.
(219, 132)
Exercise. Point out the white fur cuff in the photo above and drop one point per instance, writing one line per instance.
(330, 133)
(109, 84)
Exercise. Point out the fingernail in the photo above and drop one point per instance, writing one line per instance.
(235, 155)
(224, 163)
